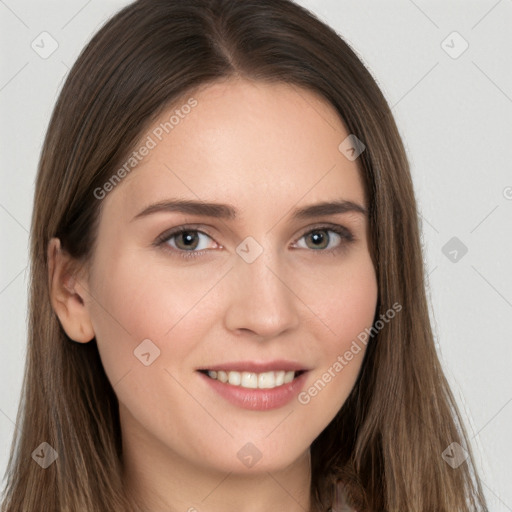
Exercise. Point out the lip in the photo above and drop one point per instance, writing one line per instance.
(256, 399)
(257, 366)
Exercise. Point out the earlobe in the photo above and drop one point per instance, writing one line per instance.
(66, 297)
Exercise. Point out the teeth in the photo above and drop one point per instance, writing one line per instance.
(251, 380)
(266, 380)
(288, 377)
(234, 378)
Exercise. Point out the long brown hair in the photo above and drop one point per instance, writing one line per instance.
(386, 443)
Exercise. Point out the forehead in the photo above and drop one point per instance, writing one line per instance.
(244, 142)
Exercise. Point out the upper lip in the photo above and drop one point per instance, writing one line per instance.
(256, 366)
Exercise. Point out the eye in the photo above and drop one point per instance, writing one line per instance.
(184, 241)
(188, 242)
(319, 238)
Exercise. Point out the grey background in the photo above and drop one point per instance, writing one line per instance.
(455, 116)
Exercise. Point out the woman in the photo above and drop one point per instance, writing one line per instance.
(286, 364)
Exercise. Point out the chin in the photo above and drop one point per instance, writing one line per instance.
(251, 458)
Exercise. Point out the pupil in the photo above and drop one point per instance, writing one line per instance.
(188, 238)
(318, 237)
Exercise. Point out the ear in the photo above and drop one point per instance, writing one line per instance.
(67, 294)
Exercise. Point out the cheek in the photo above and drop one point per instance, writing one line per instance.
(346, 308)
(144, 307)
(135, 298)
(344, 298)
(353, 306)
(132, 301)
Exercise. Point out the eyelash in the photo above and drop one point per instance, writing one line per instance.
(345, 234)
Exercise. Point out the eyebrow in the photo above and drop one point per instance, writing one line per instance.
(229, 212)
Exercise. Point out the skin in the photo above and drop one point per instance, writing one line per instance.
(265, 149)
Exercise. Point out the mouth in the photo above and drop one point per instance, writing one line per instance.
(254, 380)
(256, 385)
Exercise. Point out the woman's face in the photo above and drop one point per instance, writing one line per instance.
(251, 292)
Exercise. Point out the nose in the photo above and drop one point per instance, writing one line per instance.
(262, 300)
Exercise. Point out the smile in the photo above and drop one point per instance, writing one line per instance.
(252, 380)
(257, 386)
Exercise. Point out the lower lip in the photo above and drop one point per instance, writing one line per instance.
(258, 399)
